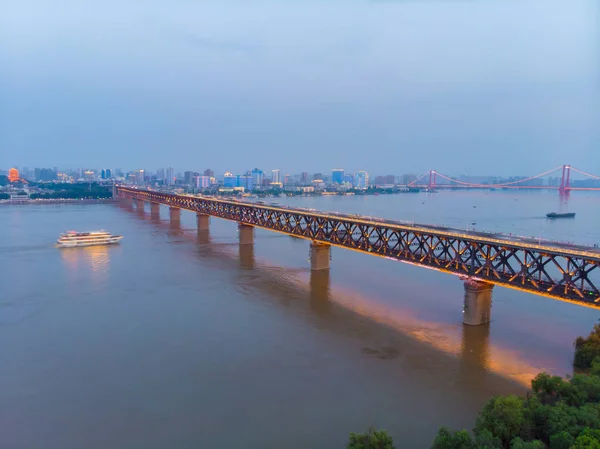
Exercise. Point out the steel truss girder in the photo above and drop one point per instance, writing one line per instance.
(556, 275)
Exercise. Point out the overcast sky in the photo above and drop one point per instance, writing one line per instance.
(464, 87)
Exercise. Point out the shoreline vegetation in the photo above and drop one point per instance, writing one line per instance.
(557, 413)
(46, 193)
(57, 201)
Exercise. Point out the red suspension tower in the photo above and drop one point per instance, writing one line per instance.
(432, 180)
(565, 180)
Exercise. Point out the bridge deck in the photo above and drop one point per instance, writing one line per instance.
(561, 271)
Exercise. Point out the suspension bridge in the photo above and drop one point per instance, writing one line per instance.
(433, 180)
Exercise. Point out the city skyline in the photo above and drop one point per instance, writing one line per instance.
(564, 177)
(314, 85)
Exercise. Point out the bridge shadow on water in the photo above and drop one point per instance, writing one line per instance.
(464, 365)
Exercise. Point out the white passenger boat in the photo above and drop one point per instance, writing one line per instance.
(72, 239)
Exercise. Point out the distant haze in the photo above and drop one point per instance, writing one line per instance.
(499, 87)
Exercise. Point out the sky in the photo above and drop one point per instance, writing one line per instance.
(490, 87)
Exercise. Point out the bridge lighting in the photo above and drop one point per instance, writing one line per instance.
(511, 251)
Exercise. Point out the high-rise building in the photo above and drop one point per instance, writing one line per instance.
(88, 175)
(245, 181)
(160, 174)
(210, 173)
(361, 180)
(407, 179)
(257, 176)
(337, 175)
(276, 176)
(45, 174)
(106, 173)
(229, 180)
(317, 177)
(379, 180)
(390, 179)
(187, 177)
(202, 182)
(140, 178)
(304, 178)
(287, 178)
(170, 179)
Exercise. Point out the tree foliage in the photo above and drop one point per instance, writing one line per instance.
(503, 417)
(446, 439)
(558, 413)
(587, 349)
(373, 439)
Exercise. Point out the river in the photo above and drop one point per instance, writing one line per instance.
(174, 339)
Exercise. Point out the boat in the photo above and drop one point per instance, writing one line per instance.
(565, 215)
(71, 239)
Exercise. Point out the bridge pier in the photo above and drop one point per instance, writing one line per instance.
(246, 256)
(478, 302)
(203, 221)
(320, 291)
(246, 234)
(320, 255)
(134, 202)
(175, 215)
(155, 209)
(203, 236)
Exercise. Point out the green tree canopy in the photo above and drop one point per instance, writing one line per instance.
(373, 439)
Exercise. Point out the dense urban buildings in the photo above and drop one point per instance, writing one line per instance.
(337, 175)
(258, 180)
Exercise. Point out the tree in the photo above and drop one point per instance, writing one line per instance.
(518, 443)
(446, 439)
(562, 440)
(559, 413)
(485, 440)
(502, 417)
(595, 371)
(373, 439)
(587, 349)
(588, 439)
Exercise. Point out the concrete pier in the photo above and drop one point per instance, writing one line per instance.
(246, 256)
(134, 202)
(246, 234)
(203, 221)
(320, 291)
(203, 236)
(155, 209)
(478, 302)
(320, 255)
(175, 214)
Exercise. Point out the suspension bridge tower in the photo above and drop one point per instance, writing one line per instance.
(432, 180)
(565, 180)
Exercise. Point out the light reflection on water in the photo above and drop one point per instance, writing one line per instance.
(89, 260)
(456, 340)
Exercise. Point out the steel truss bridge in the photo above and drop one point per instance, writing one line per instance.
(560, 271)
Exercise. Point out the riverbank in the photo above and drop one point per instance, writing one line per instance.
(58, 201)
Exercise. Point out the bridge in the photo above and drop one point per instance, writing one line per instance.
(433, 180)
(556, 270)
